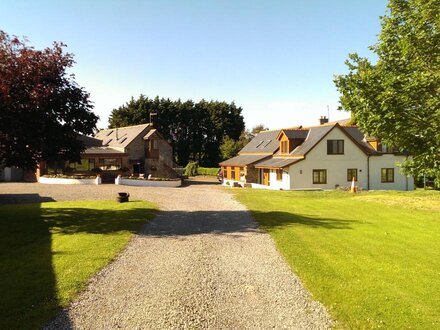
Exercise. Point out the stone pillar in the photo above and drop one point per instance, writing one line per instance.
(98, 179)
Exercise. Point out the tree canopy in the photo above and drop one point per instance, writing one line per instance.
(42, 109)
(397, 99)
(230, 147)
(195, 130)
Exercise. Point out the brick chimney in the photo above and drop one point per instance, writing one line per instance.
(323, 120)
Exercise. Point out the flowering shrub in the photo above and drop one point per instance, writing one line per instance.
(65, 176)
(150, 179)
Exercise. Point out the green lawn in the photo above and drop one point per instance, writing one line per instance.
(373, 259)
(48, 252)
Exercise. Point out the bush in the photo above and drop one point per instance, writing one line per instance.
(97, 170)
(191, 169)
(68, 170)
(151, 179)
(207, 170)
(124, 169)
(66, 176)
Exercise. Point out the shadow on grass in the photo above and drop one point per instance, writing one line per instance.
(83, 220)
(235, 223)
(23, 199)
(28, 291)
(278, 219)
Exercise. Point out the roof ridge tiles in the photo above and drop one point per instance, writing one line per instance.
(131, 126)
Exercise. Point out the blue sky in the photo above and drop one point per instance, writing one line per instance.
(276, 59)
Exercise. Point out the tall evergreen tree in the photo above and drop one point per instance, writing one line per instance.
(196, 130)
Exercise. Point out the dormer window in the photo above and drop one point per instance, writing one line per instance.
(291, 139)
(386, 149)
(374, 144)
(284, 147)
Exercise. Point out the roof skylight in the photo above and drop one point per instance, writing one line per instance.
(259, 144)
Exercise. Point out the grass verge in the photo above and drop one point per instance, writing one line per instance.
(48, 251)
(373, 259)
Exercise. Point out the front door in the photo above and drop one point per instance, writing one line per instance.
(136, 169)
(266, 180)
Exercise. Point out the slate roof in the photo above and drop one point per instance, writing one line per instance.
(277, 162)
(150, 134)
(102, 150)
(342, 122)
(121, 137)
(358, 136)
(296, 133)
(243, 160)
(315, 135)
(89, 141)
(264, 142)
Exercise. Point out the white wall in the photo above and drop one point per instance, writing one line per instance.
(284, 184)
(148, 183)
(13, 173)
(301, 173)
(401, 182)
(46, 180)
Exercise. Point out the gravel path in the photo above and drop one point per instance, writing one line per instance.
(201, 263)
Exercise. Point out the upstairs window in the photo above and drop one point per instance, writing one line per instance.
(152, 144)
(386, 149)
(335, 147)
(284, 147)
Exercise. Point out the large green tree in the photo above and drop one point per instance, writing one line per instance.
(196, 130)
(42, 109)
(231, 147)
(397, 99)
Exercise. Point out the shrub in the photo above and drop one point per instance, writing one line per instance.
(151, 179)
(191, 168)
(207, 170)
(97, 170)
(66, 176)
(124, 169)
(68, 170)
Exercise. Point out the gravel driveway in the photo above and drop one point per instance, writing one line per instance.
(202, 263)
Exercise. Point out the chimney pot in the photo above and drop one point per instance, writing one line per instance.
(323, 120)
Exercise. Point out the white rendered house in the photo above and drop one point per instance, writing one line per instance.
(327, 157)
